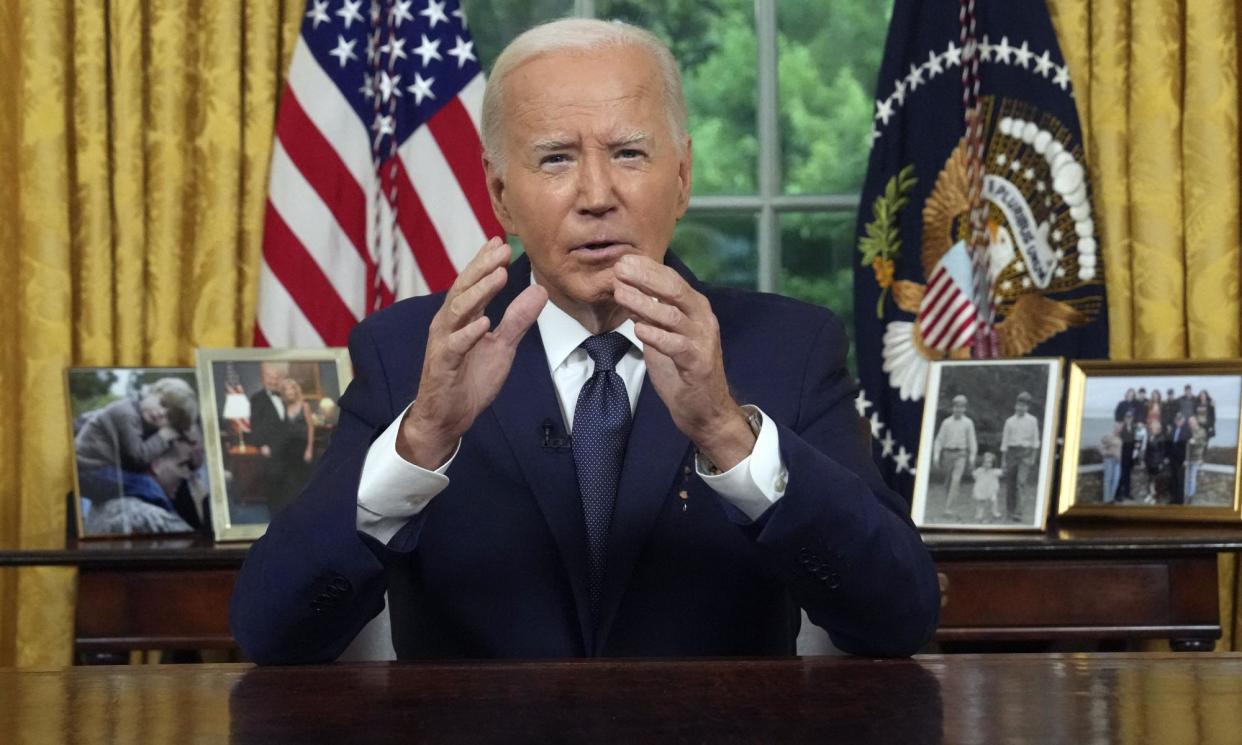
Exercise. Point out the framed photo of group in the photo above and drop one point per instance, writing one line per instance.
(268, 415)
(1153, 440)
(986, 448)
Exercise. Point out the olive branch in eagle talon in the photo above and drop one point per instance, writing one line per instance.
(881, 246)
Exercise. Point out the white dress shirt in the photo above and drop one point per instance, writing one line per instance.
(392, 490)
(278, 403)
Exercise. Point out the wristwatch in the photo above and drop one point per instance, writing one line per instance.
(705, 465)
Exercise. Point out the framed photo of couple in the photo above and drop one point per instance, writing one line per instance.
(268, 415)
(987, 445)
(1153, 440)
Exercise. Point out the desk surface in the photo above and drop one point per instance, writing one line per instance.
(959, 699)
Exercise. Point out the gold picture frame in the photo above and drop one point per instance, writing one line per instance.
(995, 488)
(258, 477)
(1144, 473)
(129, 478)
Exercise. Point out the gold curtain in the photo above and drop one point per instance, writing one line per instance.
(1156, 83)
(135, 137)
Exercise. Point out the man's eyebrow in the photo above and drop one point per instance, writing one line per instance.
(545, 144)
(632, 137)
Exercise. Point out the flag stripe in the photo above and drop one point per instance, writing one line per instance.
(279, 317)
(330, 111)
(458, 141)
(935, 333)
(942, 294)
(311, 155)
(438, 191)
(317, 232)
(472, 99)
(425, 244)
(303, 280)
(936, 287)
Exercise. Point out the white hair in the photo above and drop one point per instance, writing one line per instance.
(179, 398)
(583, 35)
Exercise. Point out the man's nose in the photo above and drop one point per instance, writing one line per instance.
(596, 191)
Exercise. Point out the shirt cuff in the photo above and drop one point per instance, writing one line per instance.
(392, 490)
(759, 480)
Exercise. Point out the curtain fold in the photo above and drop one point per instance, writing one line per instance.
(1156, 83)
(137, 135)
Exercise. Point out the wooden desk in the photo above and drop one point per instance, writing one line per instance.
(1118, 582)
(956, 699)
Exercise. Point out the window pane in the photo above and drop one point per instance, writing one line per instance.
(494, 23)
(719, 248)
(829, 58)
(817, 263)
(714, 43)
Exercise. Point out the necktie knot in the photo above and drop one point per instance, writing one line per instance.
(606, 350)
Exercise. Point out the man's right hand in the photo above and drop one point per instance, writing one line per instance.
(465, 363)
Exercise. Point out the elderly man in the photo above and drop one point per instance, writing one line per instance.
(590, 452)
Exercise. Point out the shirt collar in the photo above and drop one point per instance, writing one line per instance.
(562, 334)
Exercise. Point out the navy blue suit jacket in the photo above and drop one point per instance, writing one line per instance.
(495, 566)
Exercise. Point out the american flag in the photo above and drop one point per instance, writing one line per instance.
(377, 190)
(947, 315)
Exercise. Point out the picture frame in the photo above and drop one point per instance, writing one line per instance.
(987, 445)
(259, 451)
(139, 466)
(1190, 475)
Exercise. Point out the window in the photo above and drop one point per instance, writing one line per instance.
(780, 95)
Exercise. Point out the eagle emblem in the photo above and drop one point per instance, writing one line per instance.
(1041, 248)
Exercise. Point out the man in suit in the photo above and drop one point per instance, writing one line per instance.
(267, 408)
(590, 452)
(1179, 436)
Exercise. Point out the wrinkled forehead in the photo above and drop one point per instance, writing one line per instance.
(612, 92)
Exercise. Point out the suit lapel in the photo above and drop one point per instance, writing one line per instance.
(525, 402)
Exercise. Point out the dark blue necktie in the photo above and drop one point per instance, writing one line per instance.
(601, 429)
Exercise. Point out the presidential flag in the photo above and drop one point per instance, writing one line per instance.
(975, 230)
(377, 190)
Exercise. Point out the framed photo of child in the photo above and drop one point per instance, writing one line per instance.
(139, 461)
(268, 416)
(1152, 440)
(986, 447)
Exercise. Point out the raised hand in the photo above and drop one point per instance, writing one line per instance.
(466, 362)
(681, 340)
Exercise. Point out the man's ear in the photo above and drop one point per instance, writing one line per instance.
(496, 192)
(685, 178)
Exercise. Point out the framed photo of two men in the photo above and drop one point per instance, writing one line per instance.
(1152, 440)
(268, 415)
(986, 448)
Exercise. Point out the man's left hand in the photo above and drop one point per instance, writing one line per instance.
(681, 339)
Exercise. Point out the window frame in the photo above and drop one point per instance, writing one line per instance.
(770, 201)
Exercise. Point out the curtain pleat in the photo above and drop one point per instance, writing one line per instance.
(137, 135)
(1156, 83)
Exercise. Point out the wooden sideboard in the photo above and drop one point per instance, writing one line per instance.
(1083, 583)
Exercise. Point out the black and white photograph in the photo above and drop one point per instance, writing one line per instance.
(269, 414)
(139, 462)
(985, 453)
(1158, 439)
